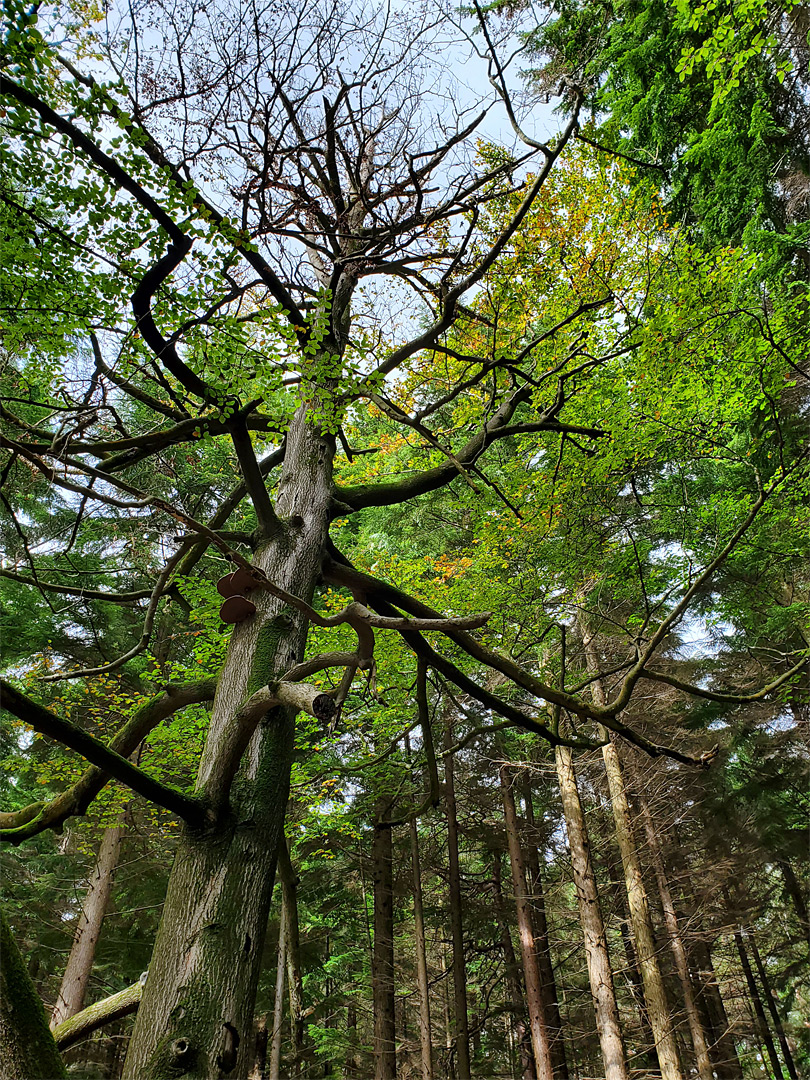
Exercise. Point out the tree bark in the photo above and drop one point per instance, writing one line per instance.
(538, 1025)
(73, 989)
(27, 1047)
(542, 944)
(654, 989)
(593, 928)
(759, 1011)
(274, 1070)
(794, 891)
(462, 1033)
(770, 1001)
(425, 1033)
(197, 1008)
(699, 1042)
(292, 954)
(84, 1023)
(519, 1030)
(382, 961)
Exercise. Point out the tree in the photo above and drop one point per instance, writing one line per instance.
(231, 207)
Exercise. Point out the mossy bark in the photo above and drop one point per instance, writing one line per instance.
(27, 1047)
(195, 1020)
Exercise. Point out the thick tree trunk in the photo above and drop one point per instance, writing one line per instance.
(654, 989)
(542, 945)
(538, 1024)
(197, 1008)
(425, 1033)
(699, 1041)
(382, 960)
(462, 1034)
(520, 1032)
(70, 999)
(759, 1011)
(27, 1047)
(593, 928)
(770, 1001)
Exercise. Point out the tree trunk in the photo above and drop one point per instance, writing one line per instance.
(709, 998)
(274, 1071)
(350, 1069)
(382, 961)
(292, 949)
(699, 1042)
(27, 1047)
(198, 1002)
(425, 1033)
(770, 1001)
(531, 970)
(259, 1070)
(794, 891)
(759, 1012)
(519, 1030)
(70, 999)
(542, 945)
(654, 990)
(462, 1034)
(593, 928)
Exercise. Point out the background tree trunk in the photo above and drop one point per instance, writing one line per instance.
(292, 953)
(274, 1071)
(462, 1036)
(425, 1033)
(654, 989)
(531, 971)
(73, 990)
(699, 1043)
(519, 1029)
(542, 944)
(382, 961)
(593, 928)
(770, 1001)
(759, 1011)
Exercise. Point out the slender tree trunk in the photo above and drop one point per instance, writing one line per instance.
(538, 1026)
(73, 990)
(654, 990)
(198, 1002)
(274, 1072)
(796, 894)
(699, 1042)
(759, 1011)
(542, 945)
(456, 919)
(425, 1033)
(519, 1030)
(615, 877)
(448, 1031)
(259, 1070)
(709, 998)
(292, 949)
(770, 1001)
(382, 962)
(593, 928)
(350, 1068)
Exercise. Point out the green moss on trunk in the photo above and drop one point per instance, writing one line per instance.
(27, 1048)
